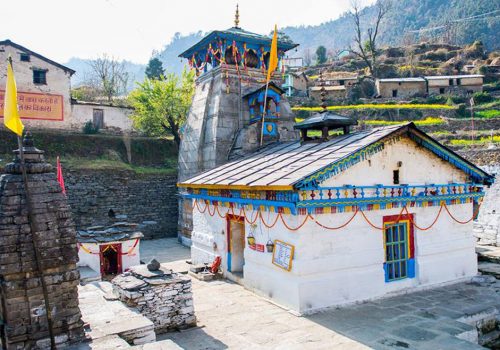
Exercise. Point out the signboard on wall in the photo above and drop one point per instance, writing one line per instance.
(283, 255)
(37, 106)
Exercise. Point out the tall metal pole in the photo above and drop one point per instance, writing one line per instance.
(38, 258)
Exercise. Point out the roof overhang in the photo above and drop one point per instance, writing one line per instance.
(247, 37)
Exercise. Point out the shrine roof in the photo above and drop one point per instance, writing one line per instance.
(236, 34)
(325, 118)
(119, 231)
(285, 166)
(272, 84)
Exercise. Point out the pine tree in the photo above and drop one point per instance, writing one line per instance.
(154, 70)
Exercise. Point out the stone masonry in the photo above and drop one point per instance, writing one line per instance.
(23, 308)
(161, 295)
(147, 199)
(487, 225)
(218, 127)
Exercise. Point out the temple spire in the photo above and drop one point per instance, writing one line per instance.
(237, 17)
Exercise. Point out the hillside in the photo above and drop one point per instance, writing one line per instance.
(405, 16)
(408, 15)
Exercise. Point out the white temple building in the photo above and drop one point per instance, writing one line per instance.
(339, 219)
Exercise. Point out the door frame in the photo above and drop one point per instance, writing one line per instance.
(116, 247)
(234, 218)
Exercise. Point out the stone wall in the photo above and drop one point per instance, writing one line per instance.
(161, 295)
(487, 225)
(147, 199)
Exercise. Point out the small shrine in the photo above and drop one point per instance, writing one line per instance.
(230, 116)
(109, 251)
(341, 217)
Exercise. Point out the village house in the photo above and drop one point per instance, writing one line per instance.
(295, 83)
(454, 84)
(300, 222)
(335, 92)
(400, 87)
(428, 85)
(44, 94)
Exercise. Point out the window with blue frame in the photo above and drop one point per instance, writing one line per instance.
(399, 248)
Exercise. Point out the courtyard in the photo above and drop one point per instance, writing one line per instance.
(231, 317)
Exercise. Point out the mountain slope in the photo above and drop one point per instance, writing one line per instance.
(468, 20)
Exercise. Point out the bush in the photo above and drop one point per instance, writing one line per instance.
(462, 111)
(89, 128)
(482, 97)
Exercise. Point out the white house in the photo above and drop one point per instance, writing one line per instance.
(44, 94)
(109, 251)
(336, 220)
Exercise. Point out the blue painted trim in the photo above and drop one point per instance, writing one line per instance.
(363, 202)
(410, 265)
(229, 261)
(243, 201)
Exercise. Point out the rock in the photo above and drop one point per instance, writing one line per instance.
(154, 265)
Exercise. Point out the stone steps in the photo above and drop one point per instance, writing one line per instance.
(489, 268)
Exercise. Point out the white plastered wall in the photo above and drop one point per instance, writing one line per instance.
(114, 117)
(93, 260)
(58, 83)
(335, 267)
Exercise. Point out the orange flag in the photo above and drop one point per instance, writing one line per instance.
(273, 59)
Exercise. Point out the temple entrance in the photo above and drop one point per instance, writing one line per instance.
(111, 260)
(236, 245)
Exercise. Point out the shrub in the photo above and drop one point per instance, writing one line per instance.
(89, 128)
(462, 110)
(482, 97)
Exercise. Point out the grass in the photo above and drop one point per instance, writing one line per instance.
(441, 133)
(488, 114)
(105, 164)
(425, 122)
(378, 106)
(481, 141)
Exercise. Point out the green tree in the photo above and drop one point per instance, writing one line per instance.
(320, 55)
(161, 105)
(154, 69)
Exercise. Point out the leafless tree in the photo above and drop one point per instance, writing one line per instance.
(109, 76)
(307, 57)
(367, 49)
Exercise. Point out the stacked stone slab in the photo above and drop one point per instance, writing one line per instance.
(487, 225)
(22, 304)
(161, 295)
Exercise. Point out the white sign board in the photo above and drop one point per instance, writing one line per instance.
(283, 255)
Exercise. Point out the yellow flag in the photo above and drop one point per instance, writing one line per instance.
(273, 57)
(10, 112)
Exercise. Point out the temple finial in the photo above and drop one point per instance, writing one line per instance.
(237, 17)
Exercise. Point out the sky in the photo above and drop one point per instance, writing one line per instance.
(132, 29)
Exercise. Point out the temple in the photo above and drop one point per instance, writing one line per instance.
(228, 117)
(340, 218)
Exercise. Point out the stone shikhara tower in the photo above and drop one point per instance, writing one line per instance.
(225, 120)
(23, 300)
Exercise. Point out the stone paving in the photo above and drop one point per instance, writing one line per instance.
(230, 316)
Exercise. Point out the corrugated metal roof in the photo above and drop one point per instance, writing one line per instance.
(280, 166)
(404, 80)
(438, 77)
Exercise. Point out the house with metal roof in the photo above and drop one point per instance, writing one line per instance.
(339, 218)
(429, 85)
